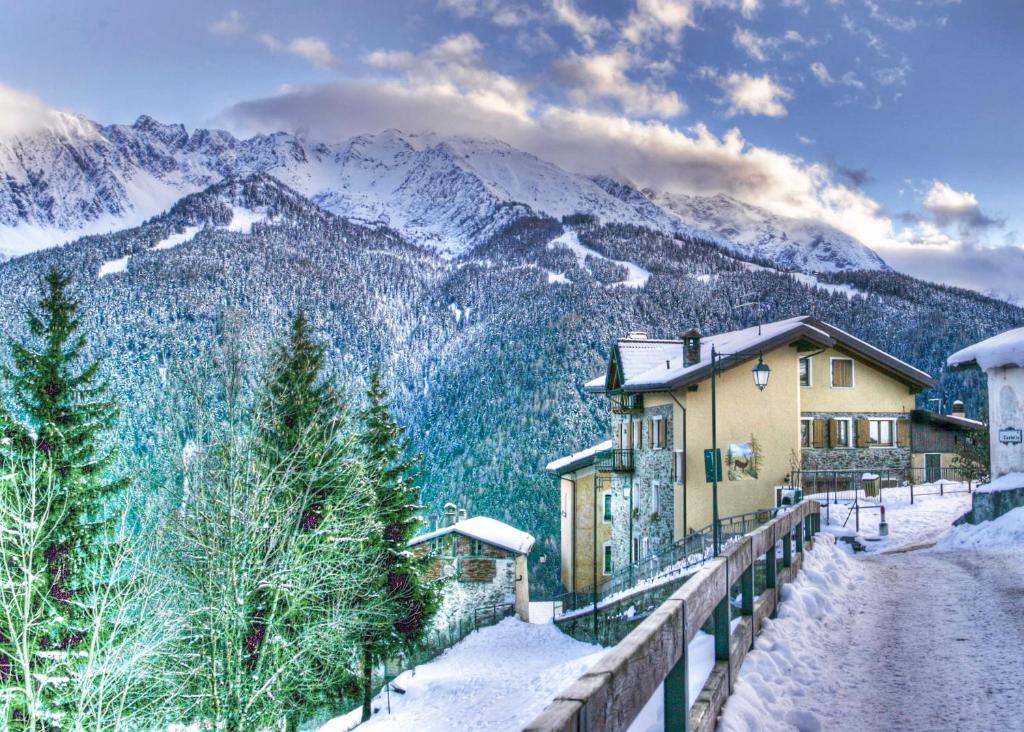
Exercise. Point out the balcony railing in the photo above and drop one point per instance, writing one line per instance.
(618, 460)
(627, 403)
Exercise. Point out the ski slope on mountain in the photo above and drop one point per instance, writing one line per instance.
(73, 177)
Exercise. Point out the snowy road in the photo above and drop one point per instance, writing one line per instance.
(915, 639)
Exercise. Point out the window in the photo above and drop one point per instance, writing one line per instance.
(644, 547)
(478, 548)
(606, 566)
(655, 496)
(636, 549)
(659, 433)
(607, 508)
(634, 494)
(880, 432)
(806, 431)
(805, 371)
(840, 432)
(678, 466)
(842, 373)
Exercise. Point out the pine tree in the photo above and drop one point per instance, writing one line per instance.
(60, 414)
(412, 600)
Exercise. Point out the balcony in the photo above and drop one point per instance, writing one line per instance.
(627, 403)
(618, 460)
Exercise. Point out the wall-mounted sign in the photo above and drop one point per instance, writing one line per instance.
(1011, 436)
(713, 465)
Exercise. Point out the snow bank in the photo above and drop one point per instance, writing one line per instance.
(1005, 531)
(1005, 349)
(1008, 482)
(636, 276)
(498, 678)
(786, 659)
(114, 266)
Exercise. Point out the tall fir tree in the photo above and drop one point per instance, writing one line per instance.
(306, 443)
(412, 599)
(57, 426)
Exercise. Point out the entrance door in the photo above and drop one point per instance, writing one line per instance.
(932, 467)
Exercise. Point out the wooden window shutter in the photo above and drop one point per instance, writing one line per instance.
(863, 433)
(903, 432)
(833, 432)
(819, 432)
(650, 432)
(662, 433)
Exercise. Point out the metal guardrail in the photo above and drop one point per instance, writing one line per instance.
(842, 486)
(681, 557)
(611, 694)
(436, 642)
(616, 460)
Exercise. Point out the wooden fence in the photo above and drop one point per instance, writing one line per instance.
(609, 696)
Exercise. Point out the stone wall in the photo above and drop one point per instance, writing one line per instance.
(650, 465)
(473, 582)
(855, 458)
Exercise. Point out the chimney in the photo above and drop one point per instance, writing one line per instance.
(958, 409)
(451, 514)
(463, 514)
(691, 347)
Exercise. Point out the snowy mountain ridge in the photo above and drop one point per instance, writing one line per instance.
(74, 177)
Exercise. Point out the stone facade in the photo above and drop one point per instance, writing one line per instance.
(634, 493)
(476, 575)
(855, 458)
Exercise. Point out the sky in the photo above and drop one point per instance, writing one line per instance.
(897, 121)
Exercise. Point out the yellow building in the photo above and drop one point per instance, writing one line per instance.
(832, 403)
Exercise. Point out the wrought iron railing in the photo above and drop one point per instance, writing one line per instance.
(838, 486)
(663, 566)
(626, 403)
(616, 460)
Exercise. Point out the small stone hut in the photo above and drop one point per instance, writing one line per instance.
(487, 561)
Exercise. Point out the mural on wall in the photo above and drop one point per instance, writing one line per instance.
(743, 460)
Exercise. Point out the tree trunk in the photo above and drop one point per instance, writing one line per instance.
(367, 681)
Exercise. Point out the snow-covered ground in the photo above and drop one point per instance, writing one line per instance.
(636, 276)
(906, 638)
(909, 524)
(498, 678)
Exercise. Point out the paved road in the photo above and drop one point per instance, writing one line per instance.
(922, 640)
(936, 643)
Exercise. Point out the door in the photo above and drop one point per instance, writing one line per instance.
(932, 467)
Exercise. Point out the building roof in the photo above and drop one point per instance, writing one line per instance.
(949, 421)
(577, 460)
(1005, 349)
(488, 530)
(657, 365)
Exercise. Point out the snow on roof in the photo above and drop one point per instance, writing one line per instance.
(1005, 349)
(656, 364)
(488, 530)
(583, 455)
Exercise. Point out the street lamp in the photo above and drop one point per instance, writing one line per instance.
(761, 374)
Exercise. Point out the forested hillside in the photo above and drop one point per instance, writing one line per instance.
(485, 354)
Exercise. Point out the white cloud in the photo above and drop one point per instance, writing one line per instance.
(755, 46)
(313, 49)
(804, 140)
(949, 206)
(585, 26)
(22, 113)
(821, 73)
(454, 69)
(749, 8)
(754, 95)
(655, 20)
(505, 14)
(230, 24)
(893, 21)
(894, 75)
(603, 76)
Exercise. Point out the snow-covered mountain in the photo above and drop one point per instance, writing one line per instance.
(75, 177)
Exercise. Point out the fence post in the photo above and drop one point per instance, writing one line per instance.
(798, 530)
(677, 688)
(911, 490)
(787, 549)
(770, 577)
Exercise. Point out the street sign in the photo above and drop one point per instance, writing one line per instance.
(713, 465)
(1011, 436)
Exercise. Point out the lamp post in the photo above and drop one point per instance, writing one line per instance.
(761, 373)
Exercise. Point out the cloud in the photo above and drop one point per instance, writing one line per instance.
(22, 113)
(949, 206)
(804, 140)
(655, 20)
(894, 22)
(453, 69)
(313, 49)
(755, 46)
(894, 75)
(746, 94)
(585, 26)
(603, 76)
(821, 73)
(230, 24)
(505, 14)
(858, 177)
